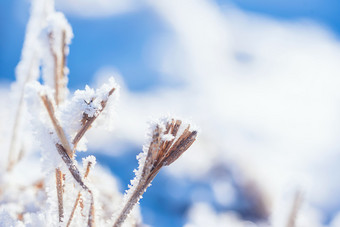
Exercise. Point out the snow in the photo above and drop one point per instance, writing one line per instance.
(167, 137)
(89, 100)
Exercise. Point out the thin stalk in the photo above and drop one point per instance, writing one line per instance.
(76, 175)
(129, 205)
(59, 64)
(64, 153)
(59, 184)
(79, 195)
(59, 86)
(133, 200)
(12, 160)
(59, 130)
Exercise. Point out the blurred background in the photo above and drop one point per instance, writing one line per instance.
(259, 78)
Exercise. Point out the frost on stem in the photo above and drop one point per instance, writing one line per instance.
(66, 154)
(59, 130)
(91, 110)
(27, 70)
(93, 103)
(165, 147)
(77, 177)
(49, 31)
(89, 162)
(55, 39)
(58, 35)
(59, 185)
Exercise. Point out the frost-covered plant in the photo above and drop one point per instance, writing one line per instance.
(166, 146)
(65, 194)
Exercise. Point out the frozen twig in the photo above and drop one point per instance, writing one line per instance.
(298, 199)
(160, 153)
(12, 159)
(88, 167)
(76, 175)
(59, 185)
(60, 87)
(27, 70)
(59, 65)
(64, 153)
(87, 121)
(59, 130)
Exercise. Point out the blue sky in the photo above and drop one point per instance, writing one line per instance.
(326, 12)
(124, 38)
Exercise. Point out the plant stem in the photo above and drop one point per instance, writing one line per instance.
(133, 200)
(59, 184)
(76, 175)
(12, 160)
(59, 130)
(59, 64)
(79, 195)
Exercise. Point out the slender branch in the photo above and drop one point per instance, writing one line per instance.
(59, 184)
(76, 175)
(60, 132)
(133, 200)
(59, 64)
(12, 160)
(64, 153)
(129, 206)
(73, 210)
(79, 195)
(87, 121)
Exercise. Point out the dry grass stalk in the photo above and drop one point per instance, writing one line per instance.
(60, 132)
(86, 124)
(59, 184)
(88, 167)
(64, 153)
(298, 199)
(76, 175)
(59, 65)
(87, 121)
(161, 153)
(12, 159)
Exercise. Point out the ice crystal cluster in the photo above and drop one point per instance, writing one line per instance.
(58, 191)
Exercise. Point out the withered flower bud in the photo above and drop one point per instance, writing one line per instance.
(166, 146)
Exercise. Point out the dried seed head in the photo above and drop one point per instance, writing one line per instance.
(167, 146)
